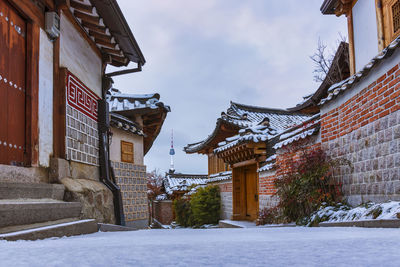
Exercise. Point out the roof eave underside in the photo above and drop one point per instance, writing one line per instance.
(328, 7)
(200, 146)
(112, 16)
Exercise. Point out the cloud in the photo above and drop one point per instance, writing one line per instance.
(202, 54)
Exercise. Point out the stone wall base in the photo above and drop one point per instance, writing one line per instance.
(355, 200)
(138, 224)
(226, 205)
(267, 201)
(97, 200)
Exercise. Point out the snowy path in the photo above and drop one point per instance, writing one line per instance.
(214, 247)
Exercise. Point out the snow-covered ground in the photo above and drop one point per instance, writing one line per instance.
(297, 246)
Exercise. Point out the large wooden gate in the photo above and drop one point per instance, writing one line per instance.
(245, 193)
(12, 85)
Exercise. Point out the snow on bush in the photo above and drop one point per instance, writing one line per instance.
(342, 213)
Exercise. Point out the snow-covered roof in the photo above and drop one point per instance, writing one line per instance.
(268, 164)
(307, 128)
(120, 102)
(182, 182)
(255, 134)
(125, 108)
(348, 83)
(248, 117)
(222, 176)
(123, 123)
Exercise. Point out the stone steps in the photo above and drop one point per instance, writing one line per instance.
(31, 190)
(17, 228)
(29, 211)
(78, 227)
(36, 210)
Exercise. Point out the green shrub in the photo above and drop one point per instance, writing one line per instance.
(206, 205)
(203, 208)
(183, 212)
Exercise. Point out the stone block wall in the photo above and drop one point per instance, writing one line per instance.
(133, 183)
(226, 198)
(365, 130)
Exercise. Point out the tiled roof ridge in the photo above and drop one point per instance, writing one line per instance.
(252, 108)
(114, 92)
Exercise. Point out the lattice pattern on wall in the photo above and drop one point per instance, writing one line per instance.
(133, 183)
(82, 140)
(396, 16)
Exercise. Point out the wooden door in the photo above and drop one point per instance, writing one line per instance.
(12, 85)
(237, 199)
(251, 192)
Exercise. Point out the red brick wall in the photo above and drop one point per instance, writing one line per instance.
(291, 154)
(284, 159)
(266, 185)
(162, 211)
(375, 101)
(227, 187)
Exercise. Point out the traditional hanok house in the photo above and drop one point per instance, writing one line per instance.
(239, 143)
(136, 121)
(257, 139)
(53, 115)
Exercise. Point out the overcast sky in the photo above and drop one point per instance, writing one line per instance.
(203, 54)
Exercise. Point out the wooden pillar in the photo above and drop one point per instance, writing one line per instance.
(350, 28)
(379, 23)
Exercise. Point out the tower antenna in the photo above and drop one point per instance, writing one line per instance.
(172, 153)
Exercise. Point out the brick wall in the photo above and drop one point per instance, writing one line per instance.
(266, 189)
(162, 211)
(266, 183)
(375, 101)
(365, 130)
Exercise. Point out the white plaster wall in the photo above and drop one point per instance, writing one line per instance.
(45, 100)
(78, 56)
(115, 148)
(365, 32)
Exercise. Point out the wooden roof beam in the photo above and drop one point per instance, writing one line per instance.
(81, 6)
(102, 36)
(105, 43)
(94, 27)
(112, 51)
(87, 18)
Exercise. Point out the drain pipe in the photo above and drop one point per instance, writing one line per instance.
(106, 171)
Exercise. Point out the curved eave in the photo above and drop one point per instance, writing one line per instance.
(213, 139)
(152, 124)
(113, 17)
